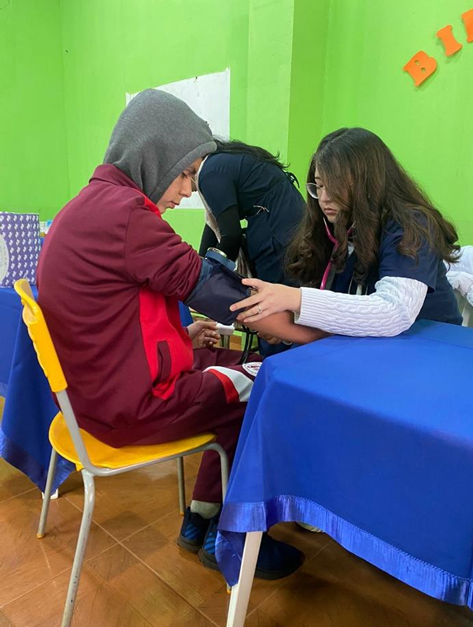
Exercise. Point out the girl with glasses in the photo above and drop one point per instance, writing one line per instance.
(369, 254)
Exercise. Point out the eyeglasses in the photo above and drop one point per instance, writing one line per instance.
(315, 191)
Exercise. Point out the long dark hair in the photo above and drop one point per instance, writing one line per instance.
(234, 145)
(363, 177)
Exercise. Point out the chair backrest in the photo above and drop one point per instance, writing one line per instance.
(38, 331)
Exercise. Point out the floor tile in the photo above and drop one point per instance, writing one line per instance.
(180, 569)
(64, 521)
(4, 622)
(215, 608)
(192, 619)
(259, 619)
(364, 582)
(13, 482)
(97, 605)
(25, 561)
(148, 581)
(168, 526)
(127, 503)
(337, 588)
(140, 587)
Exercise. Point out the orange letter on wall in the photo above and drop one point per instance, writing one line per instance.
(420, 67)
(468, 21)
(451, 45)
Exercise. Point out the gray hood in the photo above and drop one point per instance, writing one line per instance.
(157, 137)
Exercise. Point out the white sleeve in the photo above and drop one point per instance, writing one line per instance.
(388, 311)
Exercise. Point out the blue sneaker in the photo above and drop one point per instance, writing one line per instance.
(193, 530)
(275, 560)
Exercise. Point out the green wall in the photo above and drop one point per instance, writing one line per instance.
(299, 69)
(429, 128)
(33, 154)
(151, 42)
(309, 51)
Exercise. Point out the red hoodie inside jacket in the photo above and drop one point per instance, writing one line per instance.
(110, 275)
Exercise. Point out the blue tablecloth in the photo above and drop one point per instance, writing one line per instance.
(370, 439)
(29, 407)
(9, 322)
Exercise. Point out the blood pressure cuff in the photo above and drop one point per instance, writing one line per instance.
(218, 287)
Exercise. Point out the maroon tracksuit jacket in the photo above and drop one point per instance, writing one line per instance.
(110, 275)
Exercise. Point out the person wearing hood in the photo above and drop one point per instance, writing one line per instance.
(110, 276)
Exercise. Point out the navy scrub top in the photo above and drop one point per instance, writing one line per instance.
(440, 303)
(265, 196)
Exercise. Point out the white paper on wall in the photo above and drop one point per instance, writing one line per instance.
(209, 96)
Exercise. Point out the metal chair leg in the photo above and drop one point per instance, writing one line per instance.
(89, 501)
(224, 472)
(182, 486)
(241, 592)
(223, 466)
(47, 494)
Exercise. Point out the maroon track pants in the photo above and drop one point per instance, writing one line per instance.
(219, 406)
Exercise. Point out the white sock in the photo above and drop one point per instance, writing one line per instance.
(204, 509)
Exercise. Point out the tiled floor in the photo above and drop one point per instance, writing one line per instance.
(136, 576)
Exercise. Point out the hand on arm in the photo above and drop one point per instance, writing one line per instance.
(270, 311)
(267, 299)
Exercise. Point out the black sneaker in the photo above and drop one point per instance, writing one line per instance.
(193, 530)
(275, 560)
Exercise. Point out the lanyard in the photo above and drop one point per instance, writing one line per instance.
(336, 244)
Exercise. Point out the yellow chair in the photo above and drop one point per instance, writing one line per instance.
(92, 457)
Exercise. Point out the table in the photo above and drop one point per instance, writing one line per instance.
(29, 407)
(370, 439)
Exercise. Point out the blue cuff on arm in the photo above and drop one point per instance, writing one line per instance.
(217, 288)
